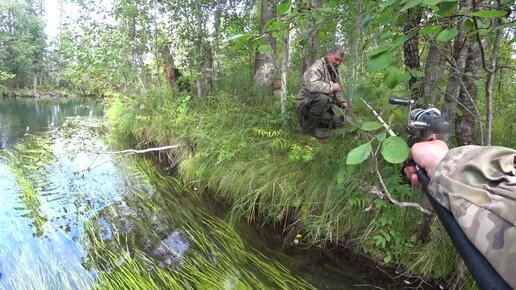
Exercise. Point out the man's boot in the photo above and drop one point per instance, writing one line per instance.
(312, 127)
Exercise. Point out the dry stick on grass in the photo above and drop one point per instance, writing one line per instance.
(126, 153)
(134, 151)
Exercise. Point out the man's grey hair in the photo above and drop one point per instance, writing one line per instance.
(337, 50)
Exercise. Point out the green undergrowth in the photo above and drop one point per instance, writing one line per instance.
(239, 149)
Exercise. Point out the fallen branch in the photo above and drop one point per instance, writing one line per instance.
(125, 153)
(141, 151)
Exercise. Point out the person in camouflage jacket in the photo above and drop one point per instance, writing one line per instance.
(320, 90)
(478, 185)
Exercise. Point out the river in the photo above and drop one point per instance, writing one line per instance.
(76, 215)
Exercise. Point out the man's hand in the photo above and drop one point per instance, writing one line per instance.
(335, 87)
(345, 105)
(427, 155)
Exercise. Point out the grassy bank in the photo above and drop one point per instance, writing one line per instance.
(237, 148)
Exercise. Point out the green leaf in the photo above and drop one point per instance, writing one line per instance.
(446, 8)
(418, 73)
(371, 126)
(395, 149)
(378, 50)
(379, 62)
(386, 34)
(390, 80)
(432, 2)
(265, 48)
(484, 32)
(447, 34)
(430, 30)
(393, 69)
(283, 7)
(404, 77)
(389, 3)
(322, 35)
(236, 36)
(275, 25)
(318, 17)
(380, 137)
(325, 9)
(411, 4)
(386, 13)
(468, 25)
(490, 13)
(364, 22)
(359, 154)
(399, 40)
(505, 25)
(387, 259)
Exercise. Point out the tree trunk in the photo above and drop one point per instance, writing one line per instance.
(284, 70)
(170, 70)
(490, 82)
(216, 37)
(434, 73)
(204, 57)
(411, 48)
(34, 84)
(312, 45)
(356, 52)
(457, 63)
(264, 68)
(465, 121)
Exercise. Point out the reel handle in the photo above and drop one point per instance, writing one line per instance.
(400, 101)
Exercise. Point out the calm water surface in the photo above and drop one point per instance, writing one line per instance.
(60, 190)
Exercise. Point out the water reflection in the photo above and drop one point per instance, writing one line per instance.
(19, 117)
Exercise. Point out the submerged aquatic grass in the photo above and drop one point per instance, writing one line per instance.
(146, 234)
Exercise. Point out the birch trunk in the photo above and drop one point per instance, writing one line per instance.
(490, 83)
(284, 70)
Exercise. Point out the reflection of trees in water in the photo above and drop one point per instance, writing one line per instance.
(18, 115)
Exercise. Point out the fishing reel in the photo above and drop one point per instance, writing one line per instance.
(423, 124)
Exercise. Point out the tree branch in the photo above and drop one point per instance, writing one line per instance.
(386, 195)
(141, 151)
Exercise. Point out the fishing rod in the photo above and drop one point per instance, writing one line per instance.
(422, 124)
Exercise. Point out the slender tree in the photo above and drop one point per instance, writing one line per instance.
(265, 61)
(457, 63)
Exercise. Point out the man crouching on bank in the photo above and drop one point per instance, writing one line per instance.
(321, 89)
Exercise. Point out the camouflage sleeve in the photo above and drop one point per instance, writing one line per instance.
(478, 185)
(315, 81)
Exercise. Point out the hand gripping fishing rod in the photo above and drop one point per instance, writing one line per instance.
(422, 124)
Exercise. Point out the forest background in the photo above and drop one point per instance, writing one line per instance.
(220, 78)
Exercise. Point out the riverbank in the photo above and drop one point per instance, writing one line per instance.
(51, 95)
(239, 150)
